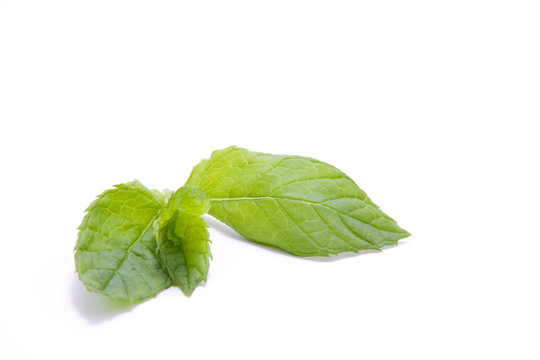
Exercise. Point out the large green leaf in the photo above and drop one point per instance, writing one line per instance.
(298, 204)
(116, 250)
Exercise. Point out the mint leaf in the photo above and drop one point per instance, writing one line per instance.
(116, 250)
(298, 204)
(189, 199)
(184, 248)
(182, 238)
(134, 242)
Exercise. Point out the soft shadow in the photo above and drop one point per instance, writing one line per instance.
(96, 308)
(340, 256)
(346, 255)
(225, 230)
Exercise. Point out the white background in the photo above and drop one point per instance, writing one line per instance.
(431, 106)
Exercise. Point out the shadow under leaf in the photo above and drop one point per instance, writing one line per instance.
(96, 308)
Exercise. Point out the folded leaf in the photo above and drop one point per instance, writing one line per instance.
(116, 250)
(298, 204)
(189, 199)
(183, 241)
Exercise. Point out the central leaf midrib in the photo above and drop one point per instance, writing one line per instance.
(254, 198)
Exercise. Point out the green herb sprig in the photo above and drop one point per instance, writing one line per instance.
(134, 242)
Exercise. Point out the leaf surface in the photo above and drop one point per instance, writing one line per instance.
(182, 238)
(116, 250)
(184, 248)
(298, 204)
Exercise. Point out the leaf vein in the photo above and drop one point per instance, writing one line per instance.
(301, 180)
(331, 229)
(299, 227)
(303, 201)
(266, 172)
(115, 271)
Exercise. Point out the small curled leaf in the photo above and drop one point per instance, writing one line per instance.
(184, 249)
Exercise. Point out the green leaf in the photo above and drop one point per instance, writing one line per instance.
(116, 250)
(298, 204)
(189, 199)
(183, 241)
